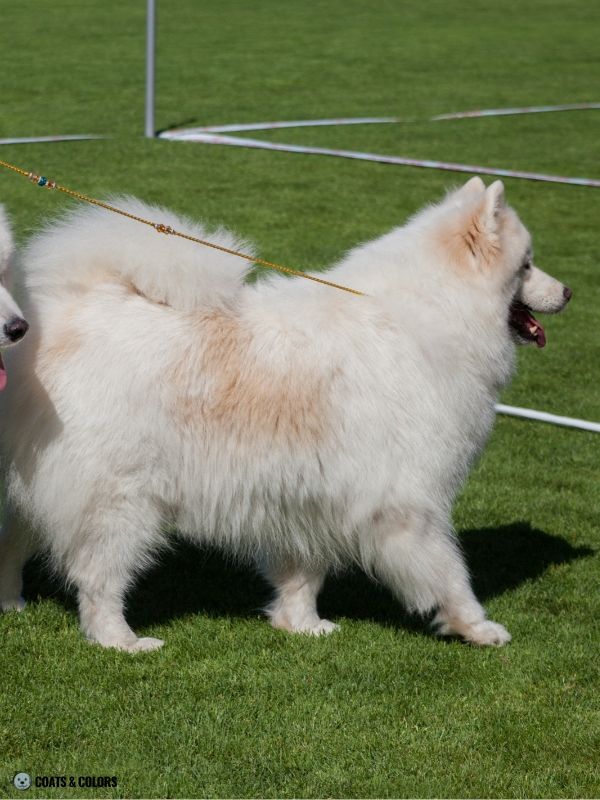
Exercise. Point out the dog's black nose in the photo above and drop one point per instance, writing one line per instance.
(16, 329)
(567, 293)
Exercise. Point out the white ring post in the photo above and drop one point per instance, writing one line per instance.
(150, 39)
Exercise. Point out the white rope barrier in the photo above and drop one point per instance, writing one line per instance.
(66, 138)
(259, 144)
(298, 123)
(502, 112)
(553, 419)
(315, 123)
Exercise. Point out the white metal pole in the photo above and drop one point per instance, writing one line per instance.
(150, 40)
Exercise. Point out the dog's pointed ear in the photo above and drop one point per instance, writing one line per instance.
(473, 186)
(470, 189)
(475, 225)
(481, 233)
(493, 204)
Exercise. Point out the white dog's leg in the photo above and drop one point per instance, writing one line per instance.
(295, 605)
(102, 564)
(16, 545)
(102, 621)
(419, 558)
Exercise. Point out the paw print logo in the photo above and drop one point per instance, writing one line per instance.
(22, 780)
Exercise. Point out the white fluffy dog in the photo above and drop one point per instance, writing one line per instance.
(289, 423)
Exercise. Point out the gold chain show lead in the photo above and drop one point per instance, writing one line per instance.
(40, 180)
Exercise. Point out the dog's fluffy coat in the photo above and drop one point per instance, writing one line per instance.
(292, 424)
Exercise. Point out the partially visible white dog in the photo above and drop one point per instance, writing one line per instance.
(289, 423)
(12, 325)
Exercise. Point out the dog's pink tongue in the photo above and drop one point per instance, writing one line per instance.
(3, 377)
(536, 330)
(540, 337)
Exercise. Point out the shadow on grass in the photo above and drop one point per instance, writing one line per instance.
(190, 122)
(190, 580)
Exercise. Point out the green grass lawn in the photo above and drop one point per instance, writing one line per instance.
(230, 707)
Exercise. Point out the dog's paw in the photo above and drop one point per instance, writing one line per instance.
(322, 628)
(13, 604)
(487, 633)
(145, 645)
(309, 627)
(129, 644)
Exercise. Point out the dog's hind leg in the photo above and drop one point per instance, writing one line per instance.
(418, 557)
(294, 607)
(17, 543)
(102, 561)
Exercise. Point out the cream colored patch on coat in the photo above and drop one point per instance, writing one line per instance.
(219, 380)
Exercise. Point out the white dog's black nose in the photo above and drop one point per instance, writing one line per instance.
(567, 293)
(16, 329)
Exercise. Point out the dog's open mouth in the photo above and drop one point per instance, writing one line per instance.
(3, 377)
(525, 324)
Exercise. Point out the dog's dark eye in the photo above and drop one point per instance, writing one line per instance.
(526, 264)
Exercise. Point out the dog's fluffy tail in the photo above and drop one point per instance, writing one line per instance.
(7, 245)
(90, 245)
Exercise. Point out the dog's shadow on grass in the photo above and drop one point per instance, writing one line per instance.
(189, 580)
